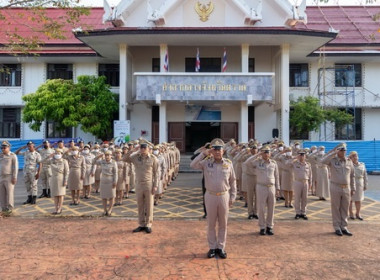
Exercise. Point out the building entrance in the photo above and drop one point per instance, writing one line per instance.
(199, 133)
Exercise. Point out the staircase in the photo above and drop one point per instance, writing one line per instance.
(184, 165)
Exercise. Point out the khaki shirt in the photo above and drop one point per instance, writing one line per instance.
(146, 168)
(109, 169)
(31, 159)
(301, 170)
(219, 176)
(342, 170)
(77, 162)
(45, 157)
(265, 170)
(9, 165)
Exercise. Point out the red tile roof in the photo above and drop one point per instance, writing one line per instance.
(356, 24)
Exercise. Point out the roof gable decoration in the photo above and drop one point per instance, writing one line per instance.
(116, 15)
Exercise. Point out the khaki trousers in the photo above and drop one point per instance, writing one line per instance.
(6, 192)
(251, 194)
(217, 211)
(45, 175)
(340, 201)
(300, 196)
(30, 183)
(266, 198)
(145, 200)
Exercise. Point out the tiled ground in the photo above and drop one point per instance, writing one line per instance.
(184, 202)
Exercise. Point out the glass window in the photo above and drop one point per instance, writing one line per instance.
(299, 75)
(156, 64)
(10, 122)
(53, 132)
(352, 131)
(111, 72)
(251, 65)
(208, 64)
(348, 75)
(10, 75)
(60, 71)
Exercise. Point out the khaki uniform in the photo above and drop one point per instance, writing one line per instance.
(45, 172)
(249, 181)
(161, 173)
(108, 177)
(267, 183)
(342, 181)
(220, 183)
(301, 181)
(361, 181)
(322, 182)
(90, 169)
(286, 175)
(8, 171)
(60, 176)
(31, 159)
(146, 170)
(123, 170)
(77, 172)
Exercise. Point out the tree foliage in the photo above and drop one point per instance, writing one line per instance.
(307, 115)
(88, 103)
(38, 22)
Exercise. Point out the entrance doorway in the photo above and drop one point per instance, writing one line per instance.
(199, 133)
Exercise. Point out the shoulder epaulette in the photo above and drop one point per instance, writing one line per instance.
(228, 160)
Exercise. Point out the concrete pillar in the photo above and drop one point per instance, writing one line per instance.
(123, 53)
(163, 126)
(284, 86)
(243, 127)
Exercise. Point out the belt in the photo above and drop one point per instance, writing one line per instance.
(266, 185)
(343, 186)
(217, 193)
(302, 180)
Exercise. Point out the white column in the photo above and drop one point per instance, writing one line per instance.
(243, 127)
(123, 49)
(284, 85)
(163, 128)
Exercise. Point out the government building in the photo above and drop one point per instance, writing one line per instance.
(189, 71)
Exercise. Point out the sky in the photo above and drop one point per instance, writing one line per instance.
(99, 3)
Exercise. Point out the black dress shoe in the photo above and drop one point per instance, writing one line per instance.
(148, 230)
(269, 231)
(338, 232)
(297, 217)
(255, 216)
(359, 218)
(204, 216)
(262, 231)
(211, 253)
(250, 217)
(304, 217)
(138, 229)
(221, 253)
(346, 232)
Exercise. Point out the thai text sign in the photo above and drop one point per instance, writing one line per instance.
(204, 86)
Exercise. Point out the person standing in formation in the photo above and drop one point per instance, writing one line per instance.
(76, 175)
(8, 177)
(249, 183)
(123, 170)
(342, 186)
(32, 168)
(45, 174)
(146, 171)
(60, 175)
(361, 183)
(160, 175)
(90, 169)
(220, 183)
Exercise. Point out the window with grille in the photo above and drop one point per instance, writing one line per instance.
(10, 122)
(348, 75)
(60, 71)
(299, 75)
(111, 72)
(10, 75)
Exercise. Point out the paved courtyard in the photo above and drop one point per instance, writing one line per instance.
(80, 244)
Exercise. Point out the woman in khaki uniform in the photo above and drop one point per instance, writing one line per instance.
(96, 152)
(108, 181)
(90, 168)
(76, 174)
(361, 182)
(286, 175)
(322, 187)
(122, 175)
(129, 171)
(58, 183)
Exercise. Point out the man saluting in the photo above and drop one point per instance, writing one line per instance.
(220, 183)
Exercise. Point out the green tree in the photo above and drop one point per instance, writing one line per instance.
(40, 24)
(89, 103)
(98, 106)
(307, 115)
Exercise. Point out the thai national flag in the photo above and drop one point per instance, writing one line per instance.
(224, 66)
(197, 62)
(166, 64)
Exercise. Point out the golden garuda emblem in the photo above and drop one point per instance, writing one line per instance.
(204, 11)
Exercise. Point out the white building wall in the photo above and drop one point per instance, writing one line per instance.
(141, 120)
(371, 124)
(265, 121)
(85, 69)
